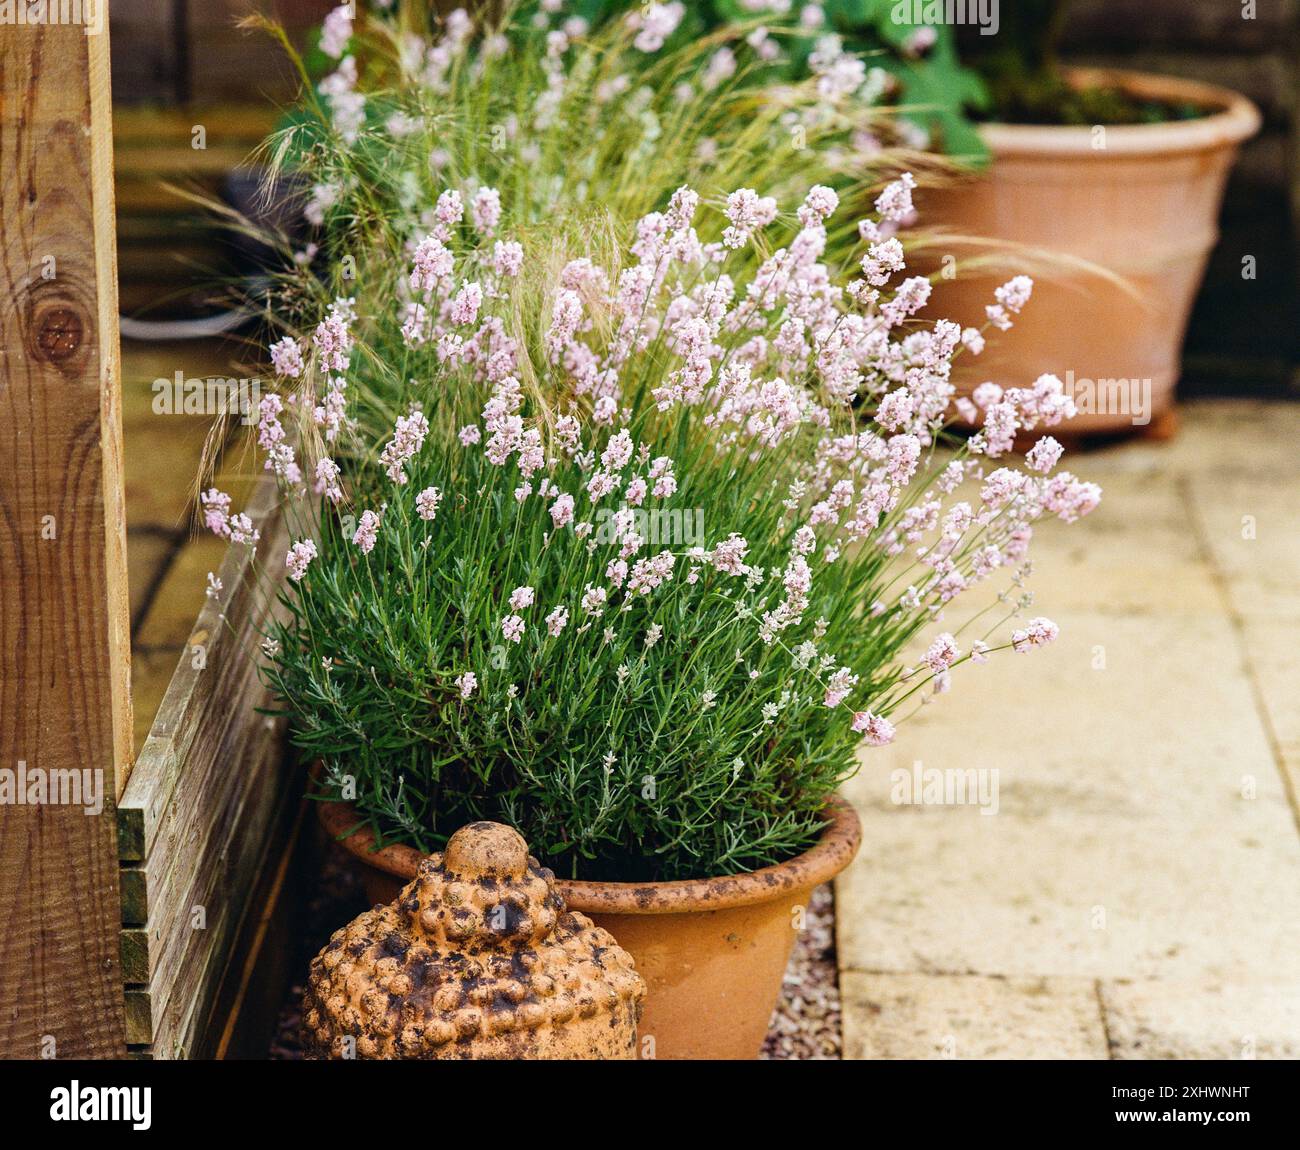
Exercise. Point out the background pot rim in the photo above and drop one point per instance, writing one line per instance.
(831, 853)
(1238, 119)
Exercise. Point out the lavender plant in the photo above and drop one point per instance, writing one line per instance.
(634, 566)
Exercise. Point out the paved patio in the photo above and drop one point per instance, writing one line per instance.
(1135, 895)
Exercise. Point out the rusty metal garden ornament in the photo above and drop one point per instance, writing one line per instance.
(477, 958)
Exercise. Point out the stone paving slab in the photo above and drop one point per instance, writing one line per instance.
(1159, 1019)
(1145, 829)
(893, 1016)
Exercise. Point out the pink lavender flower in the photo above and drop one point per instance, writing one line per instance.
(647, 574)
(1012, 297)
(300, 554)
(617, 452)
(466, 684)
(729, 555)
(242, 529)
(333, 339)
(327, 479)
(661, 471)
(895, 202)
(426, 503)
(557, 620)
(818, 206)
(286, 357)
(347, 106)
(747, 212)
(216, 512)
(883, 259)
(1015, 293)
(1001, 487)
(562, 510)
(271, 439)
(593, 599)
(1046, 402)
(464, 308)
(322, 198)
(876, 731)
(600, 484)
(919, 41)
(469, 434)
(336, 31)
(431, 264)
(507, 258)
(655, 23)
(1069, 498)
(512, 627)
(520, 598)
(1036, 633)
(485, 210)
(367, 532)
(450, 208)
(1044, 455)
(565, 317)
(998, 435)
(408, 438)
(942, 654)
(839, 686)
(682, 207)
(979, 651)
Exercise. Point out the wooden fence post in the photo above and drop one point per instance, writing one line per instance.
(65, 701)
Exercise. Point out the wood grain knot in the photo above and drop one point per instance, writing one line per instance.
(60, 332)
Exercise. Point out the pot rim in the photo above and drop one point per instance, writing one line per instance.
(831, 853)
(1236, 120)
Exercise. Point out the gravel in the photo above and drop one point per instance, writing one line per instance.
(805, 1024)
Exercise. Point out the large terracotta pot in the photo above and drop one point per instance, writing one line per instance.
(1141, 201)
(712, 951)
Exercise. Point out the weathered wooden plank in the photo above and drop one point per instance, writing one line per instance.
(202, 869)
(161, 1013)
(64, 614)
(135, 897)
(188, 1005)
(139, 1017)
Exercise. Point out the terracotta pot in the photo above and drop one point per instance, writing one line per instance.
(712, 951)
(1144, 207)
